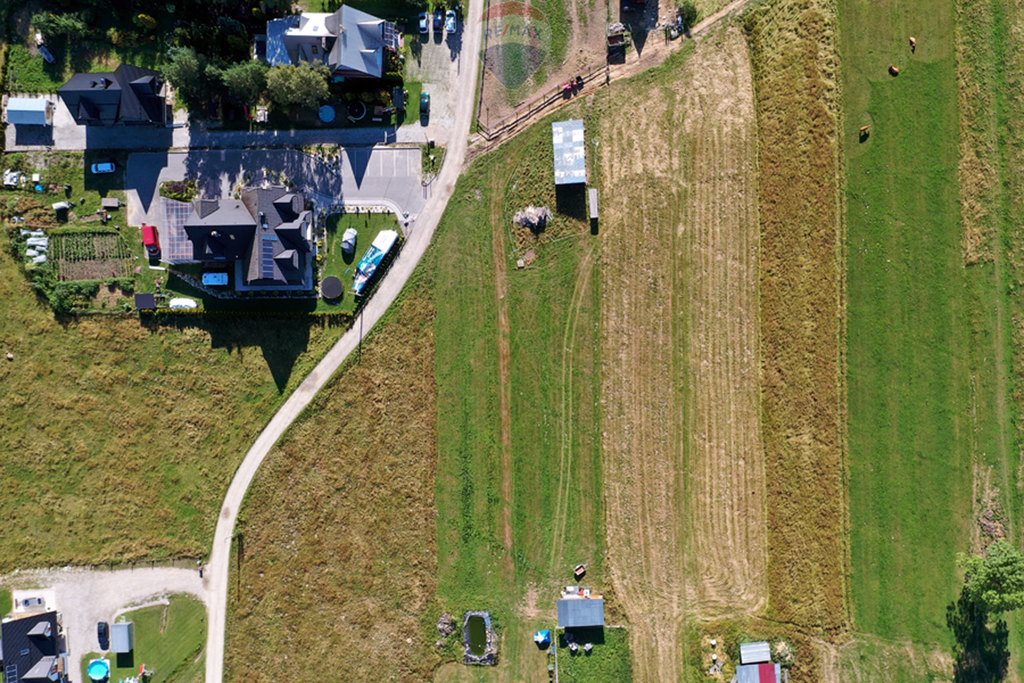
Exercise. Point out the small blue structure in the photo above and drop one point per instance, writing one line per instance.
(29, 111)
(542, 638)
(215, 279)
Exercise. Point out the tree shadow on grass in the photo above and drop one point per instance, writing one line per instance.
(980, 651)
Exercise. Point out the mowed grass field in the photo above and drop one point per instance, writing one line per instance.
(921, 345)
(519, 486)
(118, 439)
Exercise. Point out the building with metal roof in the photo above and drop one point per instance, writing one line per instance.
(33, 649)
(122, 637)
(579, 612)
(29, 111)
(567, 137)
(766, 672)
(755, 652)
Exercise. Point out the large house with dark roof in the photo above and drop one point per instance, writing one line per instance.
(352, 43)
(266, 236)
(129, 96)
(34, 649)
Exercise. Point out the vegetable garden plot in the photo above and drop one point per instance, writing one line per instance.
(91, 256)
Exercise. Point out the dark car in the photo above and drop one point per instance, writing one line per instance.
(438, 20)
(103, 635)
(424, 106)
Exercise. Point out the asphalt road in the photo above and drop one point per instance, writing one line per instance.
(218, 568)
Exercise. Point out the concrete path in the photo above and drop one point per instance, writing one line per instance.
(85, 597)
(218, 568)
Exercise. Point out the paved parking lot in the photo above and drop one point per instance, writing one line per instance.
(437, 63)
(388, 176)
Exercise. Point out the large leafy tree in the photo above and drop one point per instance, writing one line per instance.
(996, 579)
(60, 25)
(245, 82)
(304, 85)
(188, 72)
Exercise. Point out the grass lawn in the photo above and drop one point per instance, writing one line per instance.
(6, 602)
(128, 434)
(913, 313)
(607, 663)
(368, 225)
(337, 557)
(412, 103)
(519, 477)
(169, 640)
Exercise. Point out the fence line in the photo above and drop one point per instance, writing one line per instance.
(536, 106)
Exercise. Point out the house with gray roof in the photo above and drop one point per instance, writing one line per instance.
(128, 96)
(350, 42)
(265, 236)
(34, 649)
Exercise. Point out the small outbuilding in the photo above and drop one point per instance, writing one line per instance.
(145, 302)
(765, 672)
(592, 203)
(570, 148)
(29, 111)
(122, 637)
(580, 612)
(755, 652)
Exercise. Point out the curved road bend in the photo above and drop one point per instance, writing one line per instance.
(218, 568)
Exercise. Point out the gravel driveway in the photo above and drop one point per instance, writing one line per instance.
(85, 597)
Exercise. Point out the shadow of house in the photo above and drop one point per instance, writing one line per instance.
(640, 17)
(980, 651)
(281, 338)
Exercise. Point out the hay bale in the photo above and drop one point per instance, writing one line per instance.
(535, 218)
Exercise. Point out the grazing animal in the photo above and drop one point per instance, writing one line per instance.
(894, 70)
(913, 44)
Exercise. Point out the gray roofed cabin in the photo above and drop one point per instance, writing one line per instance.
(580, 612)
(267, 233)
(130, 96)
(349, 41)
(34, 649)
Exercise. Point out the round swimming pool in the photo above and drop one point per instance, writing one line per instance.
(99, 670)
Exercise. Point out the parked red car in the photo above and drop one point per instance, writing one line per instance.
(151, 240)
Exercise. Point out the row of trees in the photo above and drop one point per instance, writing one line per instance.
(246, 83)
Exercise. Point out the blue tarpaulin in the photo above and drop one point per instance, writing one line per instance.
(542, 638)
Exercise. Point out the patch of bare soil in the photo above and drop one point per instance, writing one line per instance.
(518, 44)
(720, 235)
